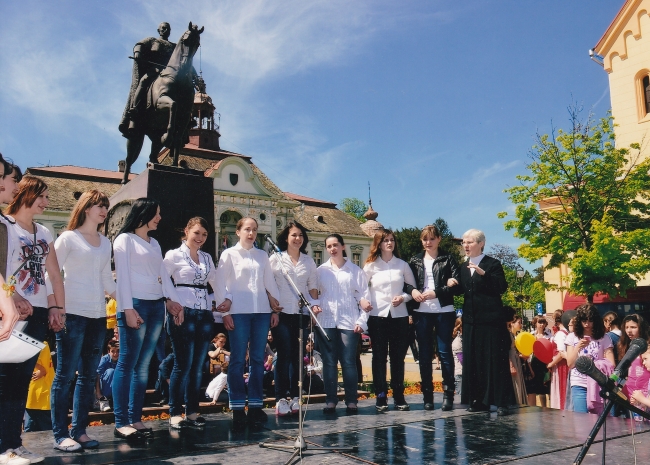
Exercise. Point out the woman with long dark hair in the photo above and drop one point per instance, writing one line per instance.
(292, 242)
(345, 303)
(388, 322)
(434, 315)
(588, 339)
(144, 289)
(85, 257)
(192, 270)
(634, 326)
(245, 273)
(32, 253)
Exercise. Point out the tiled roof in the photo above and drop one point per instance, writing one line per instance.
(79, 172)
(310, 201)
(333, 220)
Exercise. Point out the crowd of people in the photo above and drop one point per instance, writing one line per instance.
(246, 299)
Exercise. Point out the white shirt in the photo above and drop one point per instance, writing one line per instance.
(303, 274)
(475, 261)
(340, 291)
(247, 275)
(140, 271)
(386, 280)
(87, 273)
(431, 305)
(30, 280)
(184, 270)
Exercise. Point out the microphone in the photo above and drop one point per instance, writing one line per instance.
(637, 347)
(586, 366)
(274, 245)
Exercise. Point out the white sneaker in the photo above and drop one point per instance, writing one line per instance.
(31, 456)
(282, 408)
(104, 405)
(11, 458)
(295, 405)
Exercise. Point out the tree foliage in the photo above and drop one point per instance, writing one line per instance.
(585, 203)
(355, 207)
(505, 254)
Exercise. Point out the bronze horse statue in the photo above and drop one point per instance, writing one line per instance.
(169, 107)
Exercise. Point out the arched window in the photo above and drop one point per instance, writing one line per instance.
(646, 92)
(643, 93)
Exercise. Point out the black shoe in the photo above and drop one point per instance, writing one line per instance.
(256, 416)
(448, 401)
(351, 410)
(381, 405)
(402, 406)
(329, 410)
(478, 407)
(198, 422)
(503, 412)
(238, 419)
(429, 406)
(134, 436)
(146, 432)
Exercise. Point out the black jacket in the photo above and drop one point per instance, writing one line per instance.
(444, 267)
(483, 302)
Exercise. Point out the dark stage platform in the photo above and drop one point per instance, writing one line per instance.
(529, 436)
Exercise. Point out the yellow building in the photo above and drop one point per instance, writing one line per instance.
(624, 53)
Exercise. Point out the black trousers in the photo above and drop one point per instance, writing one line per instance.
(389, 336)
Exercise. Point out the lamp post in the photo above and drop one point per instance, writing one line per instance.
(520, 272)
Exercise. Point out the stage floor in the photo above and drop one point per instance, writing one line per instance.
(530, 436)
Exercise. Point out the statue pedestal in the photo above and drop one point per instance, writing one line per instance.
(182, 194)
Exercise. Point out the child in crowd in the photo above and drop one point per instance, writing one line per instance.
(105, 370)
(219, 361)
(457, 351)
(38, 416)
(313, 381)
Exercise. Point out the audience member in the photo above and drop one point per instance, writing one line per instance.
(516, 368)
(38, 416)
(558, 366)
(105, 370)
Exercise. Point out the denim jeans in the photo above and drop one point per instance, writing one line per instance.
(579, 398)
(14, 385)
(136, 349)
(443, 323)
(78, 349)
(251, 331)
(342, 348)
(388, 336)
(106, 383)
(190, 343)
(37, 420)
(287, 367)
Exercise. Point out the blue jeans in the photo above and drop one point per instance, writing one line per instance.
(190, 343)
(579, 399)
(78, 349)
(342, 348)
(106, 383)
(287, 367)
(253, 329)
(136, 349)
(14, 385)
(37, 420)
(443, 323)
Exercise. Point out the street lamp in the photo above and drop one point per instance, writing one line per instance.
(520, 273)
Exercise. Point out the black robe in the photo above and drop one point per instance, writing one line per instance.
(486, 341)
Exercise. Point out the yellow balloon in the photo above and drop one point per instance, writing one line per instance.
(524, 343)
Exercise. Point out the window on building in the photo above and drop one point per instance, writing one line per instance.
(356, 259)
(645, 84)
(643, 93)
(318, 257)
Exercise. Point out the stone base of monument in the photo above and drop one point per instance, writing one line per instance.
(182, 194)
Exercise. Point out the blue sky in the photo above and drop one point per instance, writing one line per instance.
(436, 103)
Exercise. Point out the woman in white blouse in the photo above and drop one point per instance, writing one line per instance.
(343, 289)
(85, 257)
(245, 273)
(143, 290)
(388, 324)
(292, 241)
(31, 253)
(192, 270)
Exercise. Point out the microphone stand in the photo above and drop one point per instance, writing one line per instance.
(299, 447)
(612, 398)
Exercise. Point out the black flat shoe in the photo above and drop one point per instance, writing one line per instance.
(134, 436)
(478, 408)
(329, 410)
(429, 406)
(146, 432)
(403, 407)
(351, 410)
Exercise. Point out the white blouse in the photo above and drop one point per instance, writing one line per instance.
(184, 270)
(246, 275)
(30, 279)
(341, 289)
(386, 280)
(304, 274)
(87, 273)
(140, 271)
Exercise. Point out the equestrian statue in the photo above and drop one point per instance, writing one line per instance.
(161, 95)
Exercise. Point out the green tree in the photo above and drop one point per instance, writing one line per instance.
(584, 202)
(355, 207)
(505, 254)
